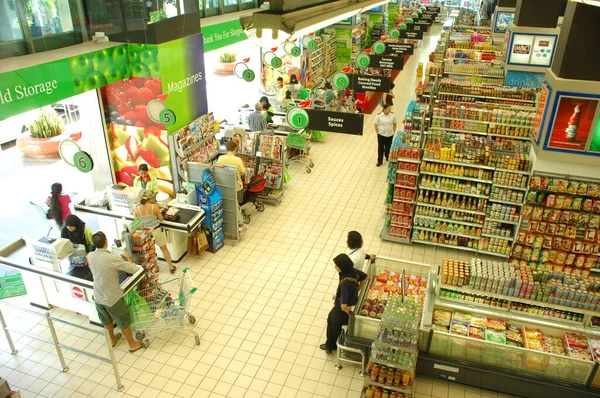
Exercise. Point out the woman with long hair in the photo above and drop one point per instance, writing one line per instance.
(149, 214)
(59, 204)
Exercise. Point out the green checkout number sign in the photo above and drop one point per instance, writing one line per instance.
(297, 118)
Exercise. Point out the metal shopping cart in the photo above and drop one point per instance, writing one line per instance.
(164, 306)
(301, 143)
(43, 210)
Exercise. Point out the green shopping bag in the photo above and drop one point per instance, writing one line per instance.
(141, 314)
(287, 177)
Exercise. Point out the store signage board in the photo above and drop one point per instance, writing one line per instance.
(524, 79)
(183, 79)
(434, 9)
(574, 119)
(535, 50)
(30, 88)
(399, 48)
(222, 35)
(405, 34)
(386, 62)
(503, 18)
(380, 84)
(336, 122)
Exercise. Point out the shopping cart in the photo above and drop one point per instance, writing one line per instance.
(164, 306)
(43, 211)
(301, 143)
(251, 201)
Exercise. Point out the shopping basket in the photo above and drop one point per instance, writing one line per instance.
(164, 306)
(301, 143)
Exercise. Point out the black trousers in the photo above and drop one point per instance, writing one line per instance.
(383, 147)
(335, 320)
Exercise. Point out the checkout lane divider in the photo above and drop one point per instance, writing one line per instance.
(57, 345)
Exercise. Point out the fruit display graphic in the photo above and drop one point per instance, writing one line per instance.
(94, 70)
(135, 134)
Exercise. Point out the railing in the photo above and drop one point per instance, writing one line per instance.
(55, 341)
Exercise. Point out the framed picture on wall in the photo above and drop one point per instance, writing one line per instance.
(574, 118)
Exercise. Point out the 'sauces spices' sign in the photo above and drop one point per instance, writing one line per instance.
(337, 122)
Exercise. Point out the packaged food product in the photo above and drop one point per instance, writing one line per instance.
(495, 337)
(477, 332)
(576, 340)
(514, 334)
(553, 345)
(461, 317)
(595, 348)
(533, 334)
(459, 328)
(441, 317)
(440, 328)
(478, 321)
(496, 324)
(535, 344)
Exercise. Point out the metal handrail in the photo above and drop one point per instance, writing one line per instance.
(58, 346)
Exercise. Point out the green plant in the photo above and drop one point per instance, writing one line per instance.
(156, 16)
(227, 57)
(47, 125)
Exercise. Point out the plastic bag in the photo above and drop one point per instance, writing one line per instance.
(287, 176)
(141, 314)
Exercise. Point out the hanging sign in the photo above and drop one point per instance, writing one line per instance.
(380, 84)
(434, 9)
(426, 16)
(405, 34)
(387, 62)
(399, 48)
(336, 122)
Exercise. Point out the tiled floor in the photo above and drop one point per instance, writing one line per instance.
(261, 304)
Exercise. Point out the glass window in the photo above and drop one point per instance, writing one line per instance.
(230, 2)
(12, 42)
(48, 17)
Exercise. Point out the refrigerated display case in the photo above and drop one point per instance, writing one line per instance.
(539, 371)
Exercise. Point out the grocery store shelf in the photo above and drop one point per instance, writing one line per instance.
(452, 233)
(385, 235)
(522, 172)
(507, 202)
(408, 160)
(396, 347)
(510, 238)
(456, 177)
(394, 224)
(410, 173)
(458, 130)
(493, 253)
(478, 166)
(406, 187)
(449, 220)
(483, 121)
(475, 195)
(434, 206)
(404, 201)
(391, 388)
(470, 249)
(519, 300)
(473, 74)
(501, 221)
(511, 187)
(486, 97)
(512, 137)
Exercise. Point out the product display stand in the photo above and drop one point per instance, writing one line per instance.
(141, 247)
(195, 142)
(403, 171)
(391, 369)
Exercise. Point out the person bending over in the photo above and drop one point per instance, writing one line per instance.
(346, 296)
(108, 296)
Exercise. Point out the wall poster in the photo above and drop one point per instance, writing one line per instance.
(573, 121)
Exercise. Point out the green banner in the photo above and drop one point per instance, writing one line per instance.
(223, 34)
(31, 88)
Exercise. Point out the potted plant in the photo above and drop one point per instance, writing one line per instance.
(226, 63)
(156, 16)
(43, 135)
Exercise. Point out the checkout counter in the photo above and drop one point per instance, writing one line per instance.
(112, 217)
(51, 281)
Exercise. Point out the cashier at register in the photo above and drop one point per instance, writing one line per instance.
(77, 232)
(145, 180)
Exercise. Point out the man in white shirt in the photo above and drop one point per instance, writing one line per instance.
(385, 127)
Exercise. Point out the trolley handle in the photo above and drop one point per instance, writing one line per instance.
(188, 277)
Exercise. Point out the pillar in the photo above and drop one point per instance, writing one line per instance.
(577, 56)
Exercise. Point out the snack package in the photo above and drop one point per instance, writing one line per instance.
(553, 345)
(478, 321)
(461, 317)
(440, 328)
(495, 337)
(442, 317)
(514, 335)
(459, 328)
(476, 332)
(496, 324)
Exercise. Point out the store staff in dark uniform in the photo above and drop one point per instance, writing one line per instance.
(351, 281)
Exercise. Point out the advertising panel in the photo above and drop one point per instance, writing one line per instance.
(573, 120)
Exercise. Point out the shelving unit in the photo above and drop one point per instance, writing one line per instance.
(395, 350)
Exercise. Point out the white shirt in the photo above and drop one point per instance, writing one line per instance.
(358, 258)
(386, 124)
